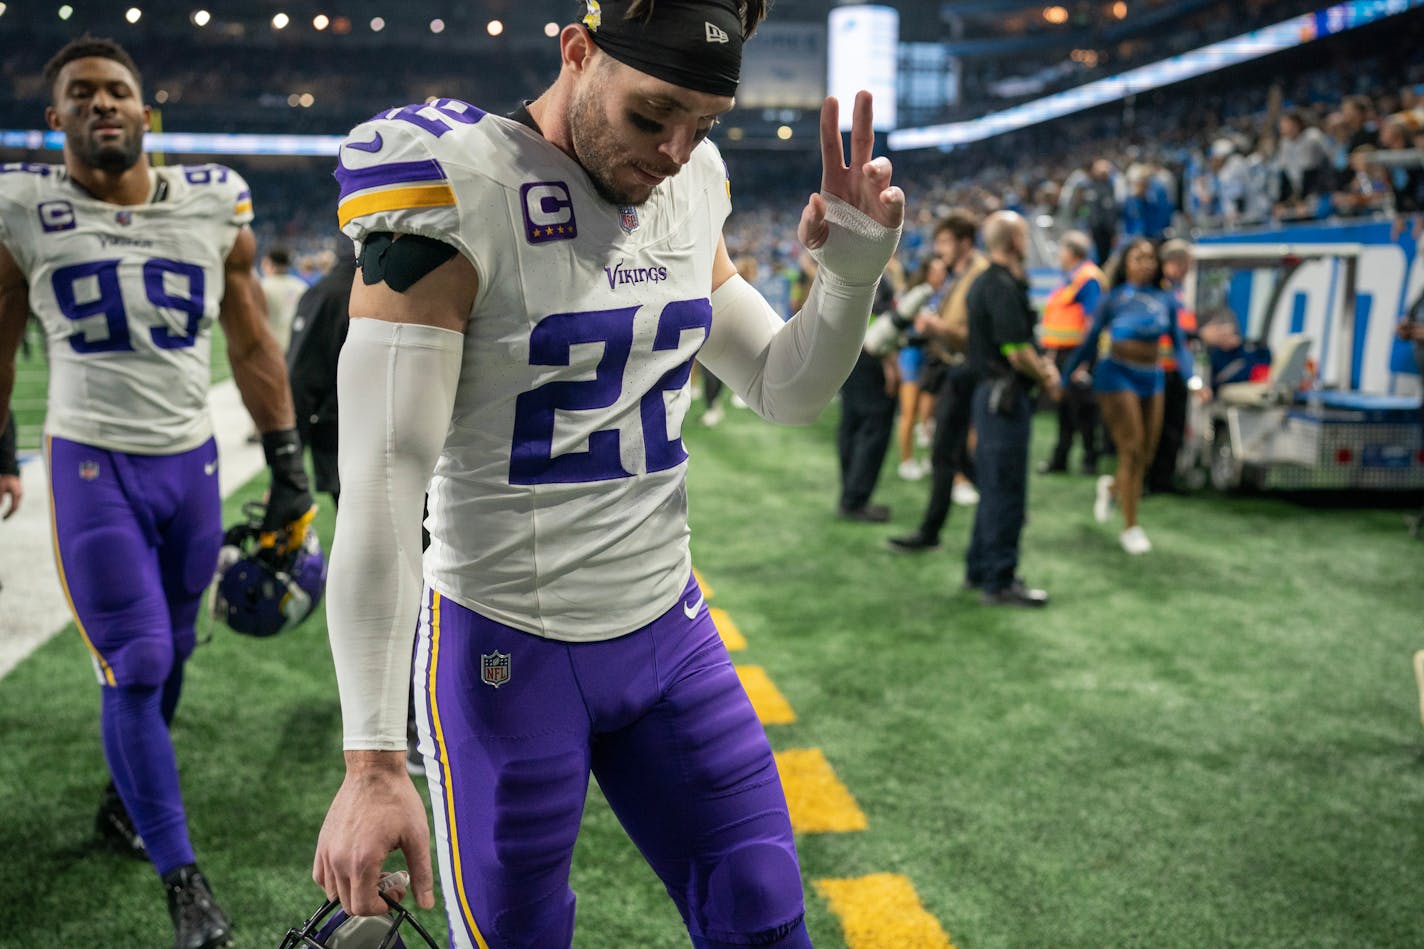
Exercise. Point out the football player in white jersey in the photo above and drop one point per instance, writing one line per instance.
(127, 266)
(531, 294)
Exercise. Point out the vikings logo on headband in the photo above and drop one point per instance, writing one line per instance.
(695, 44)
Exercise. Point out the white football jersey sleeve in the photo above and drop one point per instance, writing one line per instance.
(127, 295)
(559, 504)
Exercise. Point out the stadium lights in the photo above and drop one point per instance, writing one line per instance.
(161, 96)
(306, 100)
(65, 12)
(2, 9)
(551, 30)
(133, 14)
(1287, 34)
(280, 21)
(1055, 14)
(341, 24)
(784, 133)
(1119, 10)
(494, 27)
(437, 25)
(201, 18)
(378, 24)
(321, 21)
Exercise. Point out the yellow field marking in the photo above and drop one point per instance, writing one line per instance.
(706, 590)
(731, 636)
(771, 706)
(882, 911)
(818, 802)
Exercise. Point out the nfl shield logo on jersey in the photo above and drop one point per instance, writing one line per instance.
(628, 218)
(494, 668)
(89, 470)
(124, 217)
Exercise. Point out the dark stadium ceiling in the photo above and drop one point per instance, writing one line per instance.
(923, 20)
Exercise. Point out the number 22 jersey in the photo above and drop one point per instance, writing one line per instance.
(558, 505)
(127, 295)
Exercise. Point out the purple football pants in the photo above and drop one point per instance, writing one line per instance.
(512, 725)
(136, 541)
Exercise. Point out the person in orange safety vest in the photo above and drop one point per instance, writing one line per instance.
(1066, 317)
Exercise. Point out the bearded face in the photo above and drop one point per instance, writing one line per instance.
(631, 132)
(98, 108)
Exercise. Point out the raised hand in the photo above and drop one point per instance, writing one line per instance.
(863, 184)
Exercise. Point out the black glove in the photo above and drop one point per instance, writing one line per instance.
(289, 503)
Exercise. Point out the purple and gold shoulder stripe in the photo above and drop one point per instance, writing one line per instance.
(392, 186)
(400, 185)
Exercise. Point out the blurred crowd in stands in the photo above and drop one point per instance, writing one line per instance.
(1305, 135)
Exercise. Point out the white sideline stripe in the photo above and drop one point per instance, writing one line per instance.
(32, 605)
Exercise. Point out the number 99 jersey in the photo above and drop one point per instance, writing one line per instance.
(126, 295)
(558, 505)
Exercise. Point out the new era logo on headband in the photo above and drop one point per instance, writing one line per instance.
(716, 34)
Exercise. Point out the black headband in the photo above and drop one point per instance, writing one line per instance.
(694, 44)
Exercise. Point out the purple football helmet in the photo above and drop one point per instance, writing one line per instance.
(331, 928)
(261, 591)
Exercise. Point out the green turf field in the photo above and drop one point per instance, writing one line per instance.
(1217, 744)
(27, 400)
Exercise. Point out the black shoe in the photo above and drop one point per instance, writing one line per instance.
(114, 827)
(1015, 594)
(915, 543)
(198, 921)
(870, 514)
(1049, 467)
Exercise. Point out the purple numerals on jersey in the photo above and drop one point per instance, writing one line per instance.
(531, 458)
(104, 296)
(108, 301)
(664, 452)
(437, 117)
(190, 304)
(205, 174)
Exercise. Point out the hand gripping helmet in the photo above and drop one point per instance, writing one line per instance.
(330, 928)
(264, 589)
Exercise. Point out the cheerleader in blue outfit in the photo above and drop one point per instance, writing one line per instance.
(1128, 382)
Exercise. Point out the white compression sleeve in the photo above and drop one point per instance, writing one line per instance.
(788, 372)
(396, 391)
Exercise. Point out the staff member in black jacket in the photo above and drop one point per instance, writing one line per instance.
(1009, 366)
(867, 421)
(318, 331)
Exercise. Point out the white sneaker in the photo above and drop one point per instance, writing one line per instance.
(964, 494)
(1103, 501)
(738, 402)
(924, 435)
(1134, 541)
(911, 470)
(713, 416)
